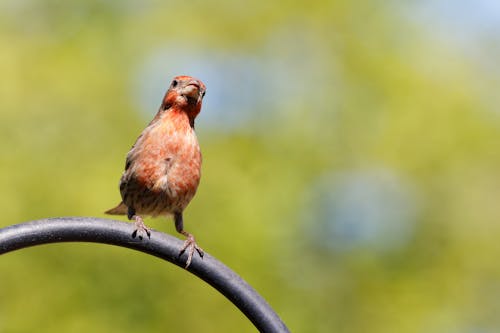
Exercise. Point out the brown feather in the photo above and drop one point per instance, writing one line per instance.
(121, 209)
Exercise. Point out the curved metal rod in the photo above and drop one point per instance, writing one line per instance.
(97, 230)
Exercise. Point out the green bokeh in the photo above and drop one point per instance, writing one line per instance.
(373, 90)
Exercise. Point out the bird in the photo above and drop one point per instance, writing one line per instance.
(163, 167)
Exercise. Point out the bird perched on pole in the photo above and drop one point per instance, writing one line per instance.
(163, 167)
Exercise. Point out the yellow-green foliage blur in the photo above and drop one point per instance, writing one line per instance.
(351, 159)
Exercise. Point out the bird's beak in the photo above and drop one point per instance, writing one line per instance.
(192, 90)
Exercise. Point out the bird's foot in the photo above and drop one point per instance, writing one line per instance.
(140, 228)
(189, 246)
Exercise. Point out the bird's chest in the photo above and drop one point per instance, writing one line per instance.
(171, 165)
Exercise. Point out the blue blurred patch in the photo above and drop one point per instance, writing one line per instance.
(370, 209)
(243, 88)
(236, 85)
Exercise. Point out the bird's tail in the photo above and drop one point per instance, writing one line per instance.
(121, 209)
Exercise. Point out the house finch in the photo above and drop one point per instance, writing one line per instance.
(162, 169)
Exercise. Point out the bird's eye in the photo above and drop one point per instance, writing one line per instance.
(175, 83)
(203, 94)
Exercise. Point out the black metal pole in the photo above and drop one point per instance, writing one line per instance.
(97, 230)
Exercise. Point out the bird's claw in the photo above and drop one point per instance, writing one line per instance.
(140, 229)
(140, 233)
(189, 246)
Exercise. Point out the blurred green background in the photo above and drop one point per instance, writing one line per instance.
(351, 161)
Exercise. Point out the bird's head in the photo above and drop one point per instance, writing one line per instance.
(185, 93)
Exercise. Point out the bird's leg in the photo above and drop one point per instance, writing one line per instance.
(190, 244)
(140, 228)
